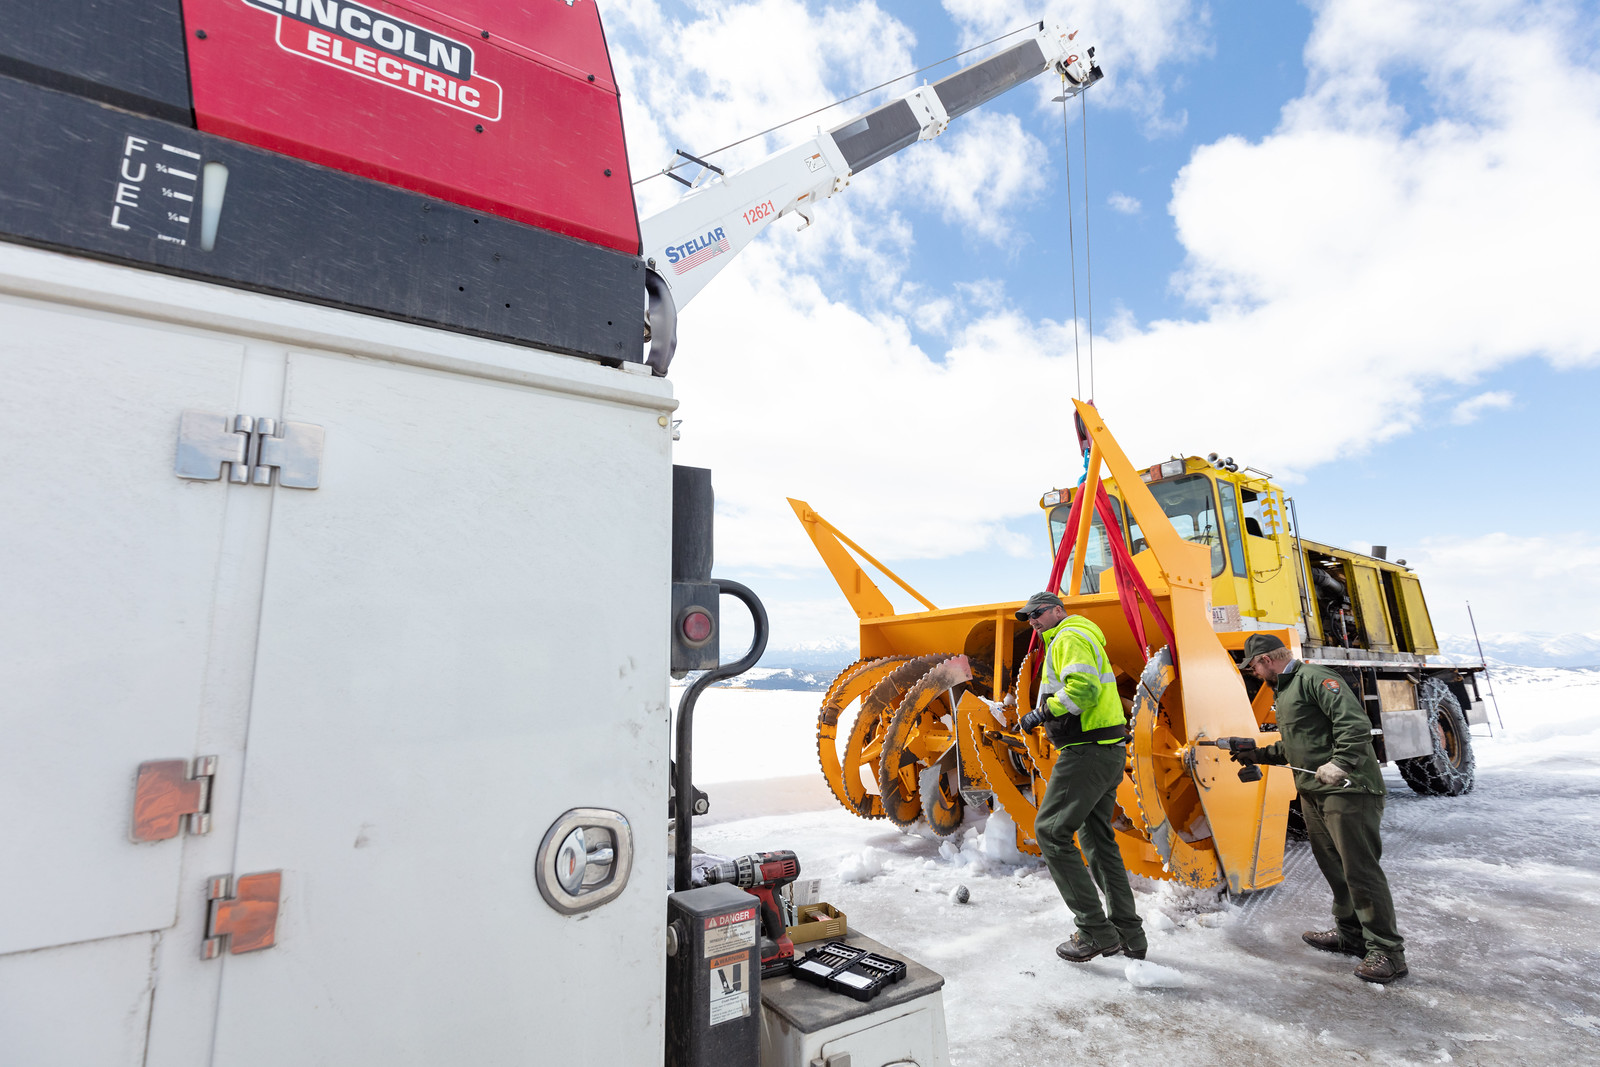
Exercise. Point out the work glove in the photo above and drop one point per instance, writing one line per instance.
(1247, 757)
(1332, 774)
(1034, 719)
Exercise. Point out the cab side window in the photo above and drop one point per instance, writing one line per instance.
(1230, 525)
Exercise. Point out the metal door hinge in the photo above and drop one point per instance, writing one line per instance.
(168, 795)
(247, 917)
(251, 448)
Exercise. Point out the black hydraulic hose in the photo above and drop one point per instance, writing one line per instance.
(683, 787)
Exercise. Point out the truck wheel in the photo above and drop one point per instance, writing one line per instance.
(1448, 772)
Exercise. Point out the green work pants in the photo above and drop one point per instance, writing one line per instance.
(1079, 800)
(1344, 839)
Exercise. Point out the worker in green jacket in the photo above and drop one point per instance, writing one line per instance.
(1324, 726)
(1081, 712)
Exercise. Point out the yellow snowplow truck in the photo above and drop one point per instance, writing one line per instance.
(1177, 563)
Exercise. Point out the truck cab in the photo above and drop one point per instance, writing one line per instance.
(1263, 575)
(1356, 612)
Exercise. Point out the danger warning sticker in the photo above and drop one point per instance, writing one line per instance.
(730, 933)
(730, 988)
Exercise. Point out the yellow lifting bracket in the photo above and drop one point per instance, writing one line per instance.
(865, 597)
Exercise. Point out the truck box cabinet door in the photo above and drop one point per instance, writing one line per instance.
(75, 1005)
(463, 636)
(108, 570)
(108, 564)
(1413, 612)
(1367, 591)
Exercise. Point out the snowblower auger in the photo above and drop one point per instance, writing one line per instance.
(868, 740)
(1167, 810)
(853, 683)
(1182, 812)
(920, 736)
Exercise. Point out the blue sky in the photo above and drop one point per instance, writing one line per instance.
(1343, 242)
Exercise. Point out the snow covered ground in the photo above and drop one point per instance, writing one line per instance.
(1498, 895)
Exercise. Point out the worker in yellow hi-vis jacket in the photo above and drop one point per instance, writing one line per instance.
(1082, 715)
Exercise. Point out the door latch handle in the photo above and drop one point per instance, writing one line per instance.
(584, 860)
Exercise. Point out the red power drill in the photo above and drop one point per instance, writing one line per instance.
(762, 875)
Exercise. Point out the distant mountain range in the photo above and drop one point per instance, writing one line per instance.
(814, 668)
(1526, 649)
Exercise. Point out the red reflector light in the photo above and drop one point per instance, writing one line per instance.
(696, 626)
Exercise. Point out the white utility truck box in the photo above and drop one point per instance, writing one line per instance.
(804, 1025)
(407, 676)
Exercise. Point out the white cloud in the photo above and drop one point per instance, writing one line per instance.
(733, 69)
(1545, 583)
(1363, 259)
(1468, 410)
(1133, 41)
(1125, 204)
(957, 174)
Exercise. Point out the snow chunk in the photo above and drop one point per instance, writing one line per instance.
(1000, 839)
(1160, 922)
(1142, 974)
(862, 868)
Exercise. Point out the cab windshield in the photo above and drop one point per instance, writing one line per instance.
(1192, 507)
(1098, 557)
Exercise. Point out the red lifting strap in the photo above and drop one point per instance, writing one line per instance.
(1132, 592)
(1059, 565)
(1130, 583)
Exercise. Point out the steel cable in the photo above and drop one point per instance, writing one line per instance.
(842, 100)
(1072, 246)
(1088, 259)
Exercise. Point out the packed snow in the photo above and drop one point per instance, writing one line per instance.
(1497, 893)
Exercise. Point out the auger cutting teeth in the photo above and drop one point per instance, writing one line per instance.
(1009, 764)
(864, 746)
(917, 734)
(853, 683)
(940, 787)
(921, 733)
(1160, 780)
(1153, 682)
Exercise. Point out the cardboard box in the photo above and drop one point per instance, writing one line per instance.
(831, 923)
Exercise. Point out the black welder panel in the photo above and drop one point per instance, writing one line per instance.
(876, 135)
(128, 53)
(89, 178)
(981, 82)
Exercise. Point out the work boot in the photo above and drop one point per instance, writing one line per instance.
(1331, 941)
(1132, 953)
(1382, 968)
(1079, 949)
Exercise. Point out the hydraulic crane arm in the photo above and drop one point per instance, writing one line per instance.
(687, 244)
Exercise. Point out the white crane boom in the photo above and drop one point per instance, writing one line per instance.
(688, 243)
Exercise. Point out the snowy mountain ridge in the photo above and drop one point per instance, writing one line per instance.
(1530, 649)
(813, 666)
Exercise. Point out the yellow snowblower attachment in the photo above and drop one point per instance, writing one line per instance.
(939, 691)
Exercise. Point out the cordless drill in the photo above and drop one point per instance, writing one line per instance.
(762, 875)
(1249, 772)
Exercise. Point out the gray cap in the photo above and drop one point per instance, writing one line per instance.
(1258, 644)
(1038, 601)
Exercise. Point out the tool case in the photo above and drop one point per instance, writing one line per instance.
(855, 972)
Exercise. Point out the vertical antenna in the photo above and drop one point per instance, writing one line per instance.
(1485, 663)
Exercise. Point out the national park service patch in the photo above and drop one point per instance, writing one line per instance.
(1330, 684)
